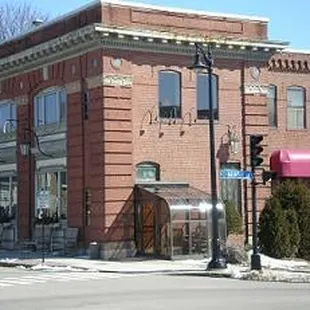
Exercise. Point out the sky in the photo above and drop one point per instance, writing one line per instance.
(289, 20)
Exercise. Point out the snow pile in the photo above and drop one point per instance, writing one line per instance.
(43, 267)
(274, 270)
(274, 276)
(282, 264)
(8, 260)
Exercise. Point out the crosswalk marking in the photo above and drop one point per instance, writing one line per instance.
(58, 277)
(5, 285)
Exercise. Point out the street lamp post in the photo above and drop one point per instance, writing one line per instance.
(204, 62)
(42, 218)
(27, 150)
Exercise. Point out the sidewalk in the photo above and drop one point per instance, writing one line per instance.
(128, 266)
(274, 270)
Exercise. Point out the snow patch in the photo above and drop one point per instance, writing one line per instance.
(8, 260)
(282, 264)
(43, 267)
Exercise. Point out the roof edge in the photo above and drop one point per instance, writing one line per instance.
(136, 5)
(185, 11)
(53, 21)
(296, 51)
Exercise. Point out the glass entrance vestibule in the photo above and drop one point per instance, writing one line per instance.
(175, 220)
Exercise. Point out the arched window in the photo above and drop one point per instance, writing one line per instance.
(272, 106)
(148, 171)
(202, 96)
(296, 108)
(7, 111)
(169, 94)
(50, 107)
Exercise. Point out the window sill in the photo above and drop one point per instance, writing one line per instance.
(300, 130)
(51, 129)
(206, 121)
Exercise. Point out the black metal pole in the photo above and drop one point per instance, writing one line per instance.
(43, 237)
(30, 195)
(255, 257)
(217, 261)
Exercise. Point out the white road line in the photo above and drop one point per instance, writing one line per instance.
(5, 284)
(14, 281)
(33, 279)
(59, 277)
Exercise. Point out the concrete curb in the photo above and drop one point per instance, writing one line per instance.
(181, 272)
(166, 271)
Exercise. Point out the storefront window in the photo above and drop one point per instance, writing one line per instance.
(51, 194)
(8, 198)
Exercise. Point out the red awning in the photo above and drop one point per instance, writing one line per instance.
(291, 163)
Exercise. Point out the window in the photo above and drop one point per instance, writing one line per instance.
(148, 172)
(50, 107)
(272, 105)
(202, 96)
(8, 198)
(169, 94)
(51, 193)
(231, 188)
(7, 111)
(296, 116)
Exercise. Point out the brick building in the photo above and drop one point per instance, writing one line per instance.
(107, 91)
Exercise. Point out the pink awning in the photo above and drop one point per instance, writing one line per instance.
(291, 163)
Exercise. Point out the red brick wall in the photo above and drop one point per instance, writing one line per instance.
(182, 157)
(118, 149)
(182, 23)
(281, 137)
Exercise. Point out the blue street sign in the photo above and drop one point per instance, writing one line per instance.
(228, 174)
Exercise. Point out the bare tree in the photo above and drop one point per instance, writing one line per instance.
(16, 18)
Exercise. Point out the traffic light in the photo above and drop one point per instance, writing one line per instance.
(255, 150)
(268, 175)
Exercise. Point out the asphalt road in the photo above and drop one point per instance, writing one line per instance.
(29, 290)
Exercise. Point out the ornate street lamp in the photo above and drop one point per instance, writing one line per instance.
(204, 62)
(27, 150)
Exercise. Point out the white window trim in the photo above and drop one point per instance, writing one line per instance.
(43, 93)
(302, 107)
(11, 103)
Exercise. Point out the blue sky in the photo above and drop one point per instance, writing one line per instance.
(289, 21)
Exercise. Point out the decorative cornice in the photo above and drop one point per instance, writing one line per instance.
(255, 89)
(98, 35)
(65, 47)
(108, 79)
(117, 80)
(73, 87)
(287, 64)
(94, 81)
(22, 100)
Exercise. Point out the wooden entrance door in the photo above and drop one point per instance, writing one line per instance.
(148, 222)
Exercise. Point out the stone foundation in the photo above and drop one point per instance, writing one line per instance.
(117, 250)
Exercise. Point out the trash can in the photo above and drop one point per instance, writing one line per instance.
(94, 250)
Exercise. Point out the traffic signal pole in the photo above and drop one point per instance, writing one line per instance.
(255, 257)
(255, 150)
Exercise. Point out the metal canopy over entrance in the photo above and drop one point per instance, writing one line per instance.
(174, 219)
